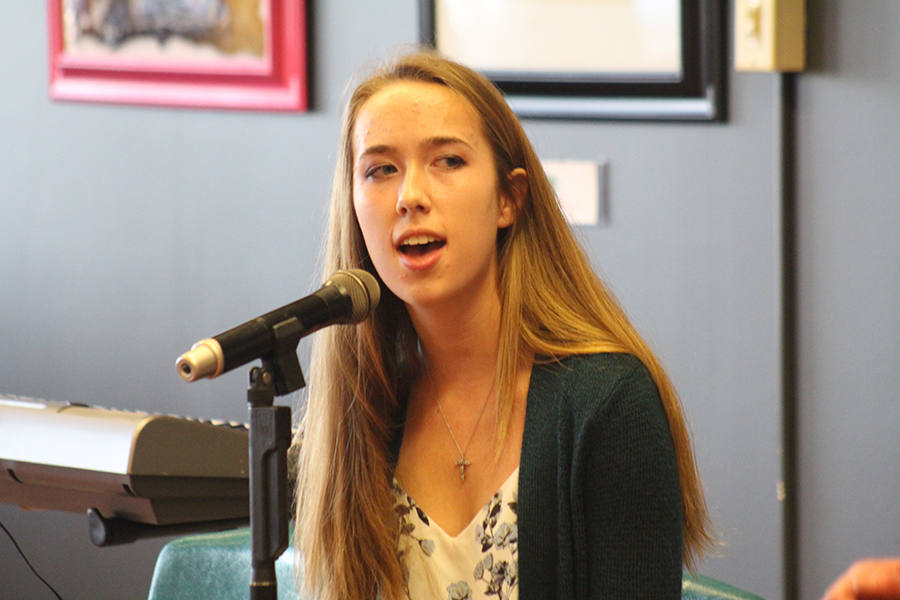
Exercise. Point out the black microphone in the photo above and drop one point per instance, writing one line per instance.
(349, 296)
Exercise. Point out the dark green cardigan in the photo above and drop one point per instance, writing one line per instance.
(599, 505)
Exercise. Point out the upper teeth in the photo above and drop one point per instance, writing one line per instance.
(417, 240)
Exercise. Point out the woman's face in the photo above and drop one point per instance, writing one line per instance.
(426, 195)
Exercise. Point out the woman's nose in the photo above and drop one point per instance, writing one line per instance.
(413, 195)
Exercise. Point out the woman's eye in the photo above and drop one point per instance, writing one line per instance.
(451, 162)
(380, 171)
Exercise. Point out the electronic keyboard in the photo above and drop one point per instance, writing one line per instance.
(130, 465)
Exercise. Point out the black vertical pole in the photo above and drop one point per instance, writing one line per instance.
(787, 114)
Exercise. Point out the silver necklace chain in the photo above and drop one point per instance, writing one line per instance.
(462, 463)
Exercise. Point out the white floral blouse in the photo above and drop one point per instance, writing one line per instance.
(479, 563)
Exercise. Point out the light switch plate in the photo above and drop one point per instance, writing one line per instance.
(581, 188)
(770, 35)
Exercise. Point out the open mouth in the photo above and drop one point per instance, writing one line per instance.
(420, 245)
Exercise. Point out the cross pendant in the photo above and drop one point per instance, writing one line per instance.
(462, 463)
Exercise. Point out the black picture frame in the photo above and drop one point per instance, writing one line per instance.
(697, 93)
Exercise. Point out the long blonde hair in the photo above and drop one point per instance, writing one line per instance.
(553, 306)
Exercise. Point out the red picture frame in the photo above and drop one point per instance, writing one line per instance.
(274, 81)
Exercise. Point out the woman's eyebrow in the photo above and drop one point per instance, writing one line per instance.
(376, 149)
(448, 140)
(432, 142)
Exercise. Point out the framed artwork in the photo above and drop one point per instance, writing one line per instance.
(590, 59)
(225, 54)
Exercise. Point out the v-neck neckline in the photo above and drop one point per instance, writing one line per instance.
(431, 523)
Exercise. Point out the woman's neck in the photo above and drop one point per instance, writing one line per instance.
(460, 343)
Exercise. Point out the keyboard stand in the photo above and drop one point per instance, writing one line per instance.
(105, 531)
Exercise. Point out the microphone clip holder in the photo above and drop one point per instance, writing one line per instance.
(283, 362)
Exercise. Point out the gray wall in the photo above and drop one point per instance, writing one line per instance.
(849, 289)
(126, 234)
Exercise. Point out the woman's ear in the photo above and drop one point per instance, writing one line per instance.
(511, 201)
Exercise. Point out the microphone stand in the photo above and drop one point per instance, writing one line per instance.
(270, 438)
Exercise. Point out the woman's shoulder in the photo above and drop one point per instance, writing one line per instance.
(607, 368)
(593, 382)
(605, 363)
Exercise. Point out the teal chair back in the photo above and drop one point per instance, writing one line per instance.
(216, 566)
(700, 587)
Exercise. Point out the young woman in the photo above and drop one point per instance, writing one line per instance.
(498, 427)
